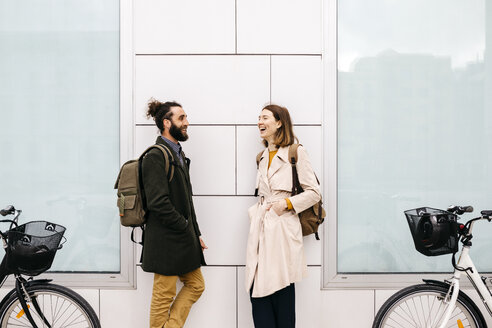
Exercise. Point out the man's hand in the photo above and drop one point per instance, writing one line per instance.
(202, 243)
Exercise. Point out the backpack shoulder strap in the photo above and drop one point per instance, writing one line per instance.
(293, 153)
(168, 159)
(296, 186)
(169, 167)
(258, 157)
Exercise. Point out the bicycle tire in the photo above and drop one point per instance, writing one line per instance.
(61, 306)
(421, 306)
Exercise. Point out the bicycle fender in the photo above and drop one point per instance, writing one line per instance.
(436, 283)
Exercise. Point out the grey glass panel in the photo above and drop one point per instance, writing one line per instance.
(415, 126)
(59, 113)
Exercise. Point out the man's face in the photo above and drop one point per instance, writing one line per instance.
(179, 124)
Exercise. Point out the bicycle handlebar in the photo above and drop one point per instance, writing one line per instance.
(8, 210)
(460, 209)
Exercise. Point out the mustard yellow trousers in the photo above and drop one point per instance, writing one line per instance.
(166, 313)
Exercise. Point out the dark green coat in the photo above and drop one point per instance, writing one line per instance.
(171, 241)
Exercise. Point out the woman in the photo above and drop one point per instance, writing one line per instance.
(275, 256)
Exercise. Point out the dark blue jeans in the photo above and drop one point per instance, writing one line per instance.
(275, 311)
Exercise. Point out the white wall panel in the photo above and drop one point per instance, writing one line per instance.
(224, 224)
(311, 138)
(128, 308)
(279, 27)
(217, 305)
(244, 315)
(212, 89)
(212, 153)
(190, 26)
(312, 248)
(381, 296)
(248, 145)
(145, 136)
(308, 293)
(309, 297)
(347, 308)
(297, 85)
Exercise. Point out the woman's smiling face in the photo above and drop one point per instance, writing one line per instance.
(267, 125)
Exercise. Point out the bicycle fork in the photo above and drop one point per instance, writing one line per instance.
(24, 298)
(451, 297)
(465, 264)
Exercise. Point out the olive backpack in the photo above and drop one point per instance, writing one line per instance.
(131, 194)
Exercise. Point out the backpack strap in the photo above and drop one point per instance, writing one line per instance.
(293, 153)
(169, 167)
(258, 158)
(168, 159)
(296, 186)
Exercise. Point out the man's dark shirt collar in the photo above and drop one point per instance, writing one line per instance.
(176, 147)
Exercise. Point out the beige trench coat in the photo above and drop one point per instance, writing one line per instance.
(274, 253)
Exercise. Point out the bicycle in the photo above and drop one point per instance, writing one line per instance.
(437, 304)
(30, 250)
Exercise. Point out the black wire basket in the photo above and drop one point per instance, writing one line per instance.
(434, 231)
(31, 247)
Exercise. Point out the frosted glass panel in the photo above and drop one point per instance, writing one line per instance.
(414, 126)
(59, 114)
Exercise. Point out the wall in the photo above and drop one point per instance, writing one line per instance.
(223, 60)
(223, 66)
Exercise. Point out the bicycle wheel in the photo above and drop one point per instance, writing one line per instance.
(422, 306)
(60, 306)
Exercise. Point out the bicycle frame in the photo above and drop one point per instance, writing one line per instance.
(466, 262)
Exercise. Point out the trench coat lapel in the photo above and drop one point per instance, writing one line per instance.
(279, 160)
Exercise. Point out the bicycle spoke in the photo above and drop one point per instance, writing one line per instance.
(410, 315)
(416, 312)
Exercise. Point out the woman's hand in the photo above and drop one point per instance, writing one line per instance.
(280, 207)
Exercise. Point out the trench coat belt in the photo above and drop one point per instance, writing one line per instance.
(263, 199)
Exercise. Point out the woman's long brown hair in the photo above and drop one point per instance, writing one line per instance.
(285, 133)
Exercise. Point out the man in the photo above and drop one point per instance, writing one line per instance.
(173, 247)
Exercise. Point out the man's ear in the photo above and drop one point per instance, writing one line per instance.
(166, 123)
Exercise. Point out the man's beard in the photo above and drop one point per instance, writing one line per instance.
(177, 133)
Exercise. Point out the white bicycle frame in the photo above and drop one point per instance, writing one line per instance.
(465, 261)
